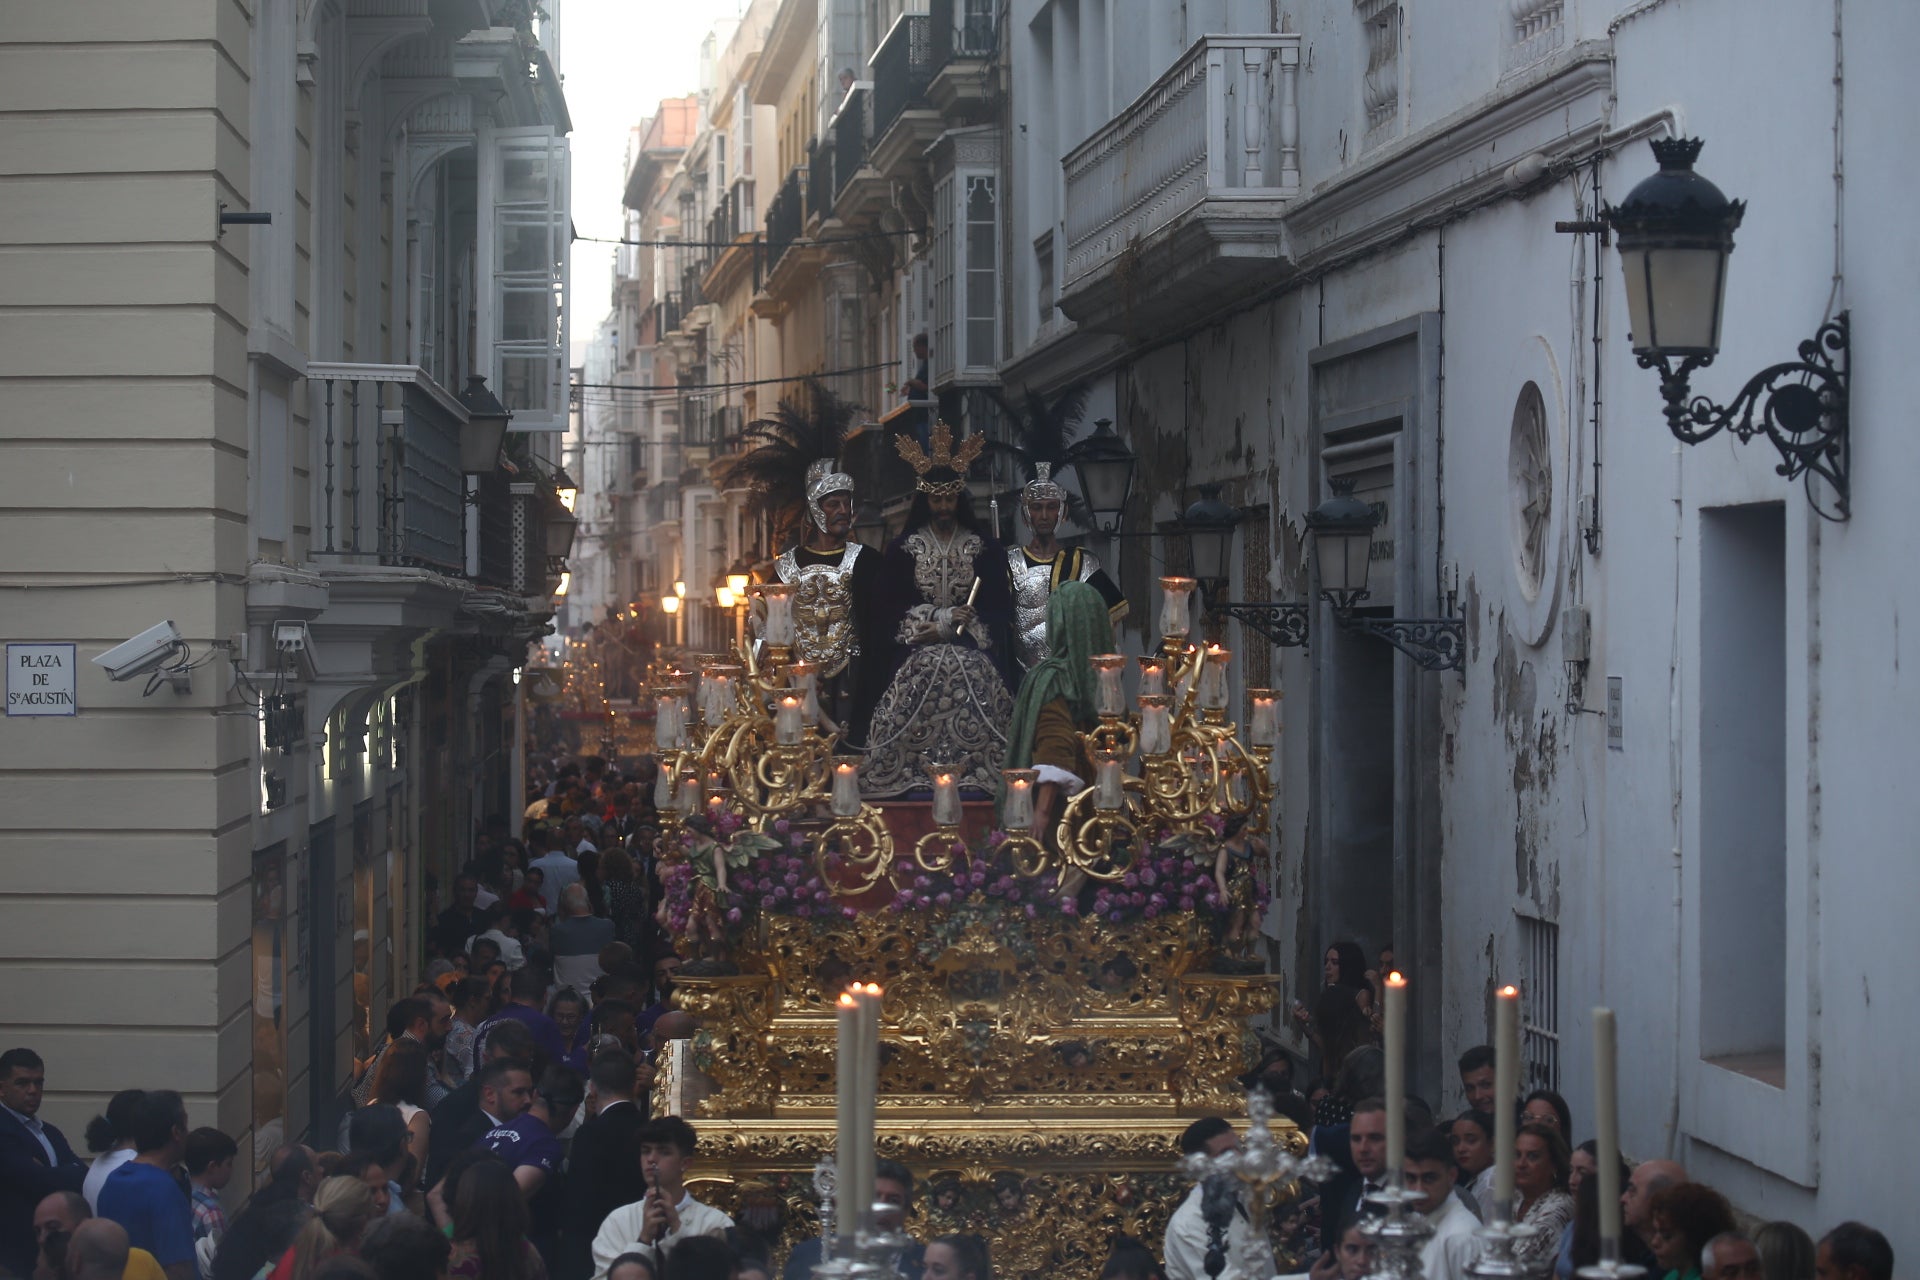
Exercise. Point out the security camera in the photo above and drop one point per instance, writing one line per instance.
(294, 644)
(144, 652)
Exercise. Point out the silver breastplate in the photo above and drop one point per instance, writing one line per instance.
(1032, 584)
(822, 608)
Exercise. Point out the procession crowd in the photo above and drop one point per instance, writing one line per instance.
(502, 1128)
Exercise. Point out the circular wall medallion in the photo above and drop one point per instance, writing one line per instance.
(1530, 491)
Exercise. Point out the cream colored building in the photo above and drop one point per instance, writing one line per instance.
(219, 871)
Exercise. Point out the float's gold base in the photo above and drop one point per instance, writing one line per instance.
(1035, 1073)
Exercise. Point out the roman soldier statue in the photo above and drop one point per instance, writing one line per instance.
(830, 575)
(1043, 564)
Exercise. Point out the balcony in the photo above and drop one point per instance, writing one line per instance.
(904, 122)
(1174, 208)
(820, 186)
(965, 38)
(387, 485)
(860, 194)
(785, 218)
(734, 226)
(791, 261)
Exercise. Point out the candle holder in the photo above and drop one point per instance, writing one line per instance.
(1027, 855)
(1399, 1232)
(934, 851)
(825, 1178)
(1610, 1267)
(1500, 1238)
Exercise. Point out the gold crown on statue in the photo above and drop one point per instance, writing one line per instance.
(945, 472)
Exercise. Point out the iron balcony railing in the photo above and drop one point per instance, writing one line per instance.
(666, 314)
(732, 218)
(850, 138)
(785, 217)
(387, 482)
(820, 186)
(494, 503)
(692, 294)
(962, 29)
(902, 69)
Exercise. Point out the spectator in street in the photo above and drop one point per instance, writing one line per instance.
(1684, 1218)
(401, 1082)
(1580, 1242)
(959, 1257)
(98, 1250)
(377, 1155)
(1343, 1200)
(556, 862)
(1852, 1251)
(490, 1228)
(529, 1144)
(568, 1009)
(423, 1019)
(141, 1194)
(1341, 1019)
(497, 928)
(1731, 1256)
(626, 895)
(209, 1159)
(527, 995)
(892, 1186)
(529, 896)
(1540, 1165)
(604, 1163)
(576, 939)
(110, 1138)
(1476, 1078)
(1185, 1244)
(1130, 1259)
(1648, 1179)
(460, 1122)
(35, 1158)
(1427, 1170)
(343, 1208)
(55, 1219)
(461, 920)
(261, 1232)
(472, 999)
(656, 1224)
(588, 865)
(632, 1266)
(1544, 1106)
(405, 1248)
(1786, 1251)
(1472, 1135)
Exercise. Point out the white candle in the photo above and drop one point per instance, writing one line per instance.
(1175, 618)
(1156, 724)
(663, 789)
(1506, 1087)
(779, 598)
(686, 794)
(786, 721)
(719, 697)
(1606, 1125)
(1263, 726)
(846, 1215)
(1213, 679)
(1109, 790)
(1018, 815)
(1394, 1027)
(1153, 675)
(1106, 669)
(663, 708)
(804, 679)
(946, 796)
(846, 790)
(867, 1101)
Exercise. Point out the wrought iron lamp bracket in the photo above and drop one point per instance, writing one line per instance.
(1284, 624)
(1799, 405)
(1435, 644)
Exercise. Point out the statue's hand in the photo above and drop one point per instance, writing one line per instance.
(961, 617)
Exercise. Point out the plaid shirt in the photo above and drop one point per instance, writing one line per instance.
(208, 1218)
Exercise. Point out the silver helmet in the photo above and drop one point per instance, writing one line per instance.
(822, 480)
(1042, 488)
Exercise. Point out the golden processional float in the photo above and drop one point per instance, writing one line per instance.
(1055, 1012)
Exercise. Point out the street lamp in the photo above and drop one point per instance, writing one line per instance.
(1342, 533)
(486, 428)
(565, 489)
(1103, 465)
(561, 526)
(1206, 528)
(1676, 234)
(670, 605)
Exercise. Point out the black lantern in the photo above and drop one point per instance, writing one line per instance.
(1676, 234)
(561, 524)
(1207, 529)
(565, 489)
(1103, 465)
(1342, 529)
(486, 428)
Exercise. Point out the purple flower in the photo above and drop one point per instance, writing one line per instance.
(767, 902)
(793, 879)
(944, 899)
(1151, 911)
(804, 911)
(733, 915)
(781, 826)
(1131, 879)
(1116, 917)
(1068, 907)
(1186, 902)
(848, 912)
(780, 892)
(1032, 912)
(996, 837)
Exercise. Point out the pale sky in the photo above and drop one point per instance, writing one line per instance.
(617, 59)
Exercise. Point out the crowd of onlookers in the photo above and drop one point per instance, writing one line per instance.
(500, 1129)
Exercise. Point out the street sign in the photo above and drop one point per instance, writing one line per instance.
(41, 680)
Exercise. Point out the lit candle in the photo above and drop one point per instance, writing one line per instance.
(686, 793)
(1175, 618)
(719, 687)
(1506, 1087)
(1394, 1029)
(804, 681)
(846, 790)
(1213, 678)
(867, 1097)
(1156, 724)
(1109, 790)
(946, 796)
(663, 789)
(1106, 669)
(1153, 675)
(1606, 1128)
(786, 721)
(779, 629)
(846, 1207)
(664, 707)
(1263, 726)
(1018, 815)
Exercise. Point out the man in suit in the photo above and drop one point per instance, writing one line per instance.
(35, 1160)
(605, 1160)
(1344, 1198)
